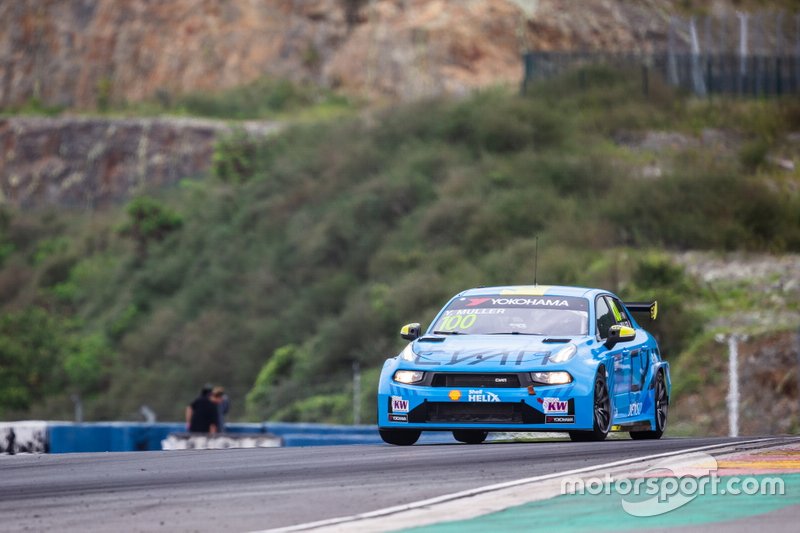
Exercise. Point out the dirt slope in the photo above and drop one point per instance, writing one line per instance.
(81, 53)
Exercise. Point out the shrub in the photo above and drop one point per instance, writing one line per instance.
(262, 397)
(148, 221)
(656, 277)
(753, 154)
(32, 346)
(234, 157)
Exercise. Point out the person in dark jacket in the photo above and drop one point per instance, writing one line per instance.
(219, 397)
(202, 415)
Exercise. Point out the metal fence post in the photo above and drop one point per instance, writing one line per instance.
(356, 393)
(527, 61)
(742, 51)
(672, 64)
(733, 386)
(78, 405)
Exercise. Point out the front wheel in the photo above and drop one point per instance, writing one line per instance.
(662, 408)
(400, 437)
(470, 436)
(602, 412)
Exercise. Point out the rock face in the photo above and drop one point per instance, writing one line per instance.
(768, 389)
(761, 292)
(84, 53)
(89, 162)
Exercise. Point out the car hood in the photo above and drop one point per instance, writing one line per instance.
(485, 352)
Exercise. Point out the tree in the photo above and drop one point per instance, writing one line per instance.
(31, 350)
(149, 221)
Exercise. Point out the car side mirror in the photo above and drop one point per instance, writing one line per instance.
(618, 334)
(411, 331)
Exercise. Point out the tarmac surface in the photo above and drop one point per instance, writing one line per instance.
(256, 489)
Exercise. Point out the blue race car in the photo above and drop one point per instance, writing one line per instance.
(527, 358)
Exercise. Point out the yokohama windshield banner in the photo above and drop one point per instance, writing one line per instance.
(527, 302)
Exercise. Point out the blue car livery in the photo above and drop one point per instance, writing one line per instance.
(527, 358)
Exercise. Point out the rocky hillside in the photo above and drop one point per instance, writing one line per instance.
(89, 162)
(87, 53)
(768, 387)
(757, 298)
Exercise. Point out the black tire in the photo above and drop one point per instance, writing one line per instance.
(661, 401)
(602, 412)
(400, 437)
(470, 436)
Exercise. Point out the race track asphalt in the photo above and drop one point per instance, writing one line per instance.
(244, 490)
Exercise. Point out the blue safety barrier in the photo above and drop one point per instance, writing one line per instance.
(65, 437)
(108, 437)
(304, 434)
(282, 428)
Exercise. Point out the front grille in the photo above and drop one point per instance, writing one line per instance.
(482, 413)
(475, 381)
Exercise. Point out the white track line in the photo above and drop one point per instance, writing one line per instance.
(498, 486)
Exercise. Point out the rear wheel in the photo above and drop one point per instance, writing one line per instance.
(662, 408)
(468, 436)
(602, 412)
(400, 437)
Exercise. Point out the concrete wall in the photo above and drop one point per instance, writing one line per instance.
(23, 437)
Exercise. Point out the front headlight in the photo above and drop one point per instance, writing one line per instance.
(409, 376)
(564, 354)
(551, 378)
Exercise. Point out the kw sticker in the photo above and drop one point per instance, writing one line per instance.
(399, 405)
(555, 406)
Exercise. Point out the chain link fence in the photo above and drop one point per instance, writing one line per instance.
(753, 76)
(745, 54)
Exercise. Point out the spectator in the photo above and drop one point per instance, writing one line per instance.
(202, 415)
(219, 397)
(11, 439)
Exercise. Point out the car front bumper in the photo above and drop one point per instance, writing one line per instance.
(550, 408)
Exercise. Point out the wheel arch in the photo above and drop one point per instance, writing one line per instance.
(663, 368)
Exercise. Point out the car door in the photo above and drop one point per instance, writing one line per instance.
(619, 384)
(634, 360)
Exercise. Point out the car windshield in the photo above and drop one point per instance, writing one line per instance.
(514, 315)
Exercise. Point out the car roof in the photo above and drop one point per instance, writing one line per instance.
(533, 290)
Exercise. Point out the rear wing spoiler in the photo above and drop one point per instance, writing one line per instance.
(643, 307)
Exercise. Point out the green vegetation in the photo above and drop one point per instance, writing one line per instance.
(33, 106)
(264, 98)
(306, 252)
(148, 222)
